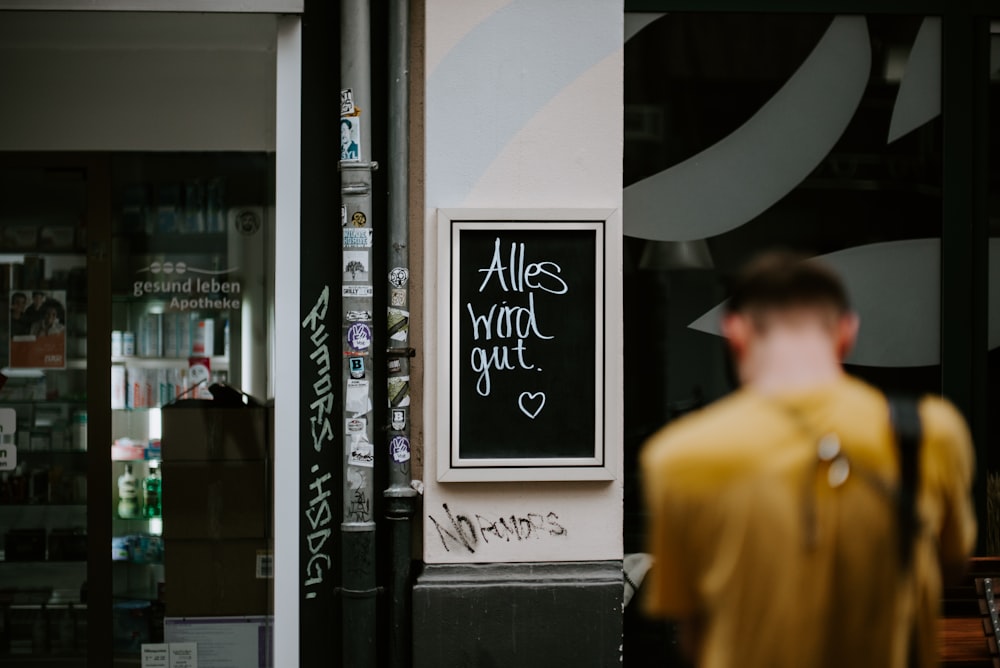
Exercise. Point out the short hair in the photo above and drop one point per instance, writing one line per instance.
(18, 294)
(344, 121)
(782, 280)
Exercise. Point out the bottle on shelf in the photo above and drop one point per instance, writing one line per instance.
(151, 486)
(128, 496)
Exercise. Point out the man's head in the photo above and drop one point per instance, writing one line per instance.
(345, 132)
(17, 302)
(38, 298)
(786, 305)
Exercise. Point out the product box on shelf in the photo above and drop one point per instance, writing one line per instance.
(25, 545)
(215, 578)
(220, 499)
(68, 544)
(197, 430)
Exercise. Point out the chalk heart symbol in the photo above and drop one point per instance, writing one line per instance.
(527, 403)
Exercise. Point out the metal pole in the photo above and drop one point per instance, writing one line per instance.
(358, 591)
(400, 496)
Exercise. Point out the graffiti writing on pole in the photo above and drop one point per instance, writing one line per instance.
(322, 404)
(319, 515)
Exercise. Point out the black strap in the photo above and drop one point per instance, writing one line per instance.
(906, 426)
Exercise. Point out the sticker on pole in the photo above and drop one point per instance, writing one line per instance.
(399, 448)
(350, 139)
(398, 276)
(346, 101)
(359, 336)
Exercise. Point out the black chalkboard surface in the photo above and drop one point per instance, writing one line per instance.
(525, 337)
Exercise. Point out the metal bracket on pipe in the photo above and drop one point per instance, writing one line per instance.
(357, 527)
(359, 593)
(401, 352)
(353, 166)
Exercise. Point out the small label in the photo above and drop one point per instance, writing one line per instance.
(357, 238)
(399, 448)
(8, 457)
(398, 421)
(398, 276)
(359, 316)
(357, 367)
(265, 565)
(183, 655)
(355, 425)
(361, 454)
(346, 102)
(397, 297)
(155, 655)
(343, 215)
(357, 291)
(394, 365)
(359, 219)
(356, 266)
(8, 421)
(357, 402)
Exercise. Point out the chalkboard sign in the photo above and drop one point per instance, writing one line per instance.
(527, 344)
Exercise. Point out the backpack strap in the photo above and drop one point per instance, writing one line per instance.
(905, 419)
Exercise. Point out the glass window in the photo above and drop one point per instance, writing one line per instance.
(991, 525)
(746, 132)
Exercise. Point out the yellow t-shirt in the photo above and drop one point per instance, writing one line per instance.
(779, 567)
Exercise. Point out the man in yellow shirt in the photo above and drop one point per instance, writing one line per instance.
(773, 513)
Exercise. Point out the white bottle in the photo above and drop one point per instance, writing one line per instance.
(128, 495)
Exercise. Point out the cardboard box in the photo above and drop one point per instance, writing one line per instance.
(214, 578)
(216, 499)
(195, 430)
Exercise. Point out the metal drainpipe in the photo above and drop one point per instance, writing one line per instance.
(400, 496)
(358, 591)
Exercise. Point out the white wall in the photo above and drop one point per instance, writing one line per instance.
(523, 109)
(123, 81)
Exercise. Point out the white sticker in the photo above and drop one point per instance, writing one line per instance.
(265, 565)
(183, 655)
(356, 266)
(397, 297)
(357, 291)
(361, 453)
(8, 457)
(346, 101)
(357, 401)
(357, 237)
(343, 215)
(398, 276)
(398, 421)
(8, 421)
(350, 139)
(155, 655)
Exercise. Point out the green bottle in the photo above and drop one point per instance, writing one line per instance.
(151, 487)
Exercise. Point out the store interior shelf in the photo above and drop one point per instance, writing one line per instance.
(217, 363)
(4, 504)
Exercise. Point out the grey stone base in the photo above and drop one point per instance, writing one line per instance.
(543, 615)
